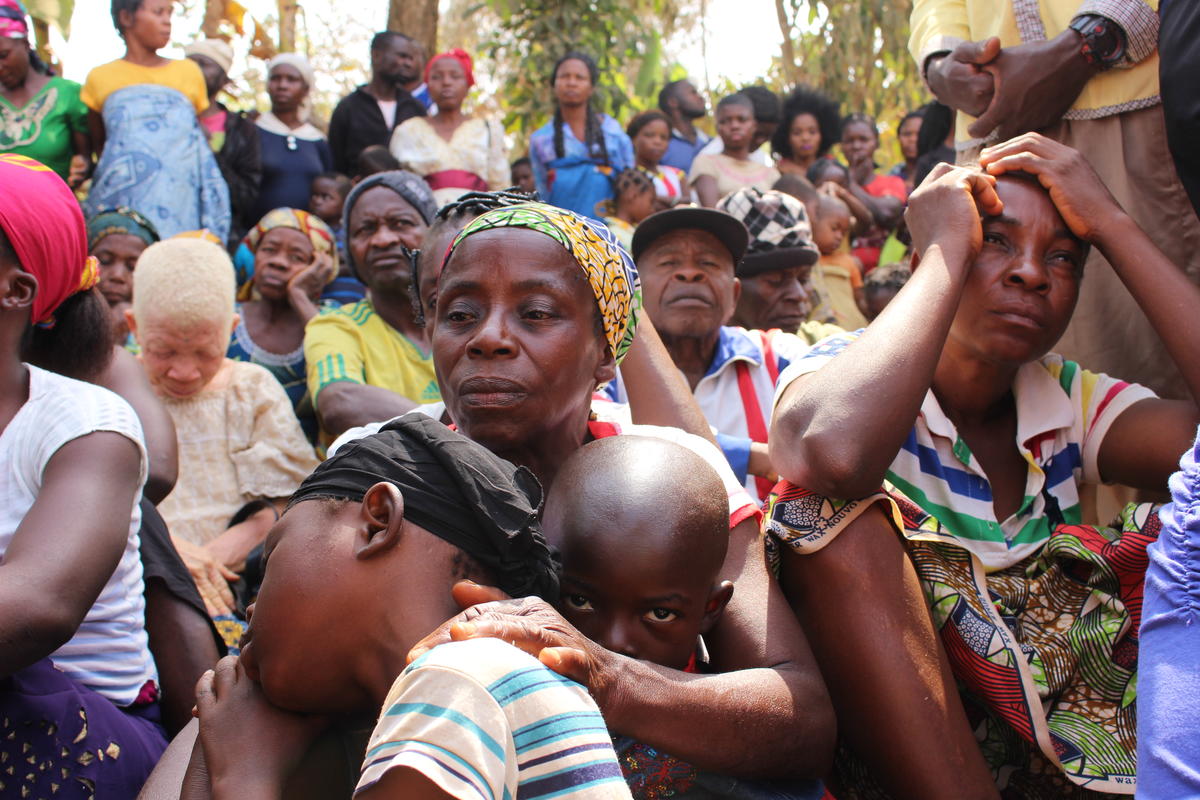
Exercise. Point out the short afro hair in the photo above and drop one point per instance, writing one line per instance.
(184, 282)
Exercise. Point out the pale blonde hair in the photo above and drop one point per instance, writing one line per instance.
(184, 282)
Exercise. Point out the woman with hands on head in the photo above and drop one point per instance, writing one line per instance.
(984, 437)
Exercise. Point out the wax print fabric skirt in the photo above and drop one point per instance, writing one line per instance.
(60, 739)
(1045, 652)
(157, 161)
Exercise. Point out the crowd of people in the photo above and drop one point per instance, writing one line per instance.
(360, 458)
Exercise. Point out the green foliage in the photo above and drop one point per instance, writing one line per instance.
(625, 37)
(857, 52)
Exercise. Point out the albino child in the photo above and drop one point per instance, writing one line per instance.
(238, 438)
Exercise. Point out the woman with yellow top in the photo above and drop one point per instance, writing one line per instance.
(142, 115)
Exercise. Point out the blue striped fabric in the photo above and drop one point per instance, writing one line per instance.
(483, 720)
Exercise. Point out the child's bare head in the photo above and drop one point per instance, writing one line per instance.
(831, 225)
(642, 525)
(182, 313)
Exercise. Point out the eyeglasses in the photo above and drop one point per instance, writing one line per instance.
(291, 143)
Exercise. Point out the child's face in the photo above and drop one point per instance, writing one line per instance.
(830, 230)
(118, 254)
(150, 25)
(877, 300)
(639, 204)
(522, 178)
(326, 201)
(651, 141)
(282, 254)
(736, 125)
(180, 360)
(859, 141)
(644, 603)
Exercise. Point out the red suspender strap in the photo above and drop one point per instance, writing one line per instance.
(755, 423)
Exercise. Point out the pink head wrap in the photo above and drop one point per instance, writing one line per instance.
(45, 227)
(457, 54)
(12, 20)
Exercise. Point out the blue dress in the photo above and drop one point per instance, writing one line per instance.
(289, 164)
(579, 180)
(157, 160)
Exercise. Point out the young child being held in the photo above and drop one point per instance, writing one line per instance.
(633, 200)
(238, 438)
(838, 274)
(642, 526)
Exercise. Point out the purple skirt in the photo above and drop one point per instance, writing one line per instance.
(60, 739)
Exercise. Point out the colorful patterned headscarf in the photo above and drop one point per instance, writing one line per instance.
(310, 225)
(120, 220)
(609, 268)
(12, 20)
(44, 225)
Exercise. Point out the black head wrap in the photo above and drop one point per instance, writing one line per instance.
(454, 488)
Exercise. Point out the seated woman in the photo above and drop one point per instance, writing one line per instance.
(117, 238)
(985, 439)
(294, 259)
(520, 344)
(79, 707)
(238, 438)
(454, 152)
(154, 155)
(714, 176)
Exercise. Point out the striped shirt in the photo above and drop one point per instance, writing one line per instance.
(1063, 414)
(485, 721)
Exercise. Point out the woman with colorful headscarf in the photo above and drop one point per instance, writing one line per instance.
(535, 307)
(77, 681)
(116, 238)
(294, 258)
(294, 151)
(41, 115)
(154, 155)
(455, 152)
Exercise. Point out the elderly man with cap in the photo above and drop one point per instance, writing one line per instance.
(370, 360)
(231, 134)
(690, 261)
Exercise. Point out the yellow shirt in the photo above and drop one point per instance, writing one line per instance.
(941, 24)
(353, 343)
(184, 75)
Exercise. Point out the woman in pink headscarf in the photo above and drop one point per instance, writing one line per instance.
(78, 686)
(456, 153)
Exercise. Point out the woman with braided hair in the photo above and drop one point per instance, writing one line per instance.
(577, 154)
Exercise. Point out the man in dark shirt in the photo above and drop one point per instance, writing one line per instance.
(370, 113)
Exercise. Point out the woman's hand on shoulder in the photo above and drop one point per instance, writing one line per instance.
(530, 624)
(945, 210)
(1082, 199)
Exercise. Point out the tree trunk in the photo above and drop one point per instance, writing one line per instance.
(790, 68)
(214, 12)
(287, 26)
(416, 18)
